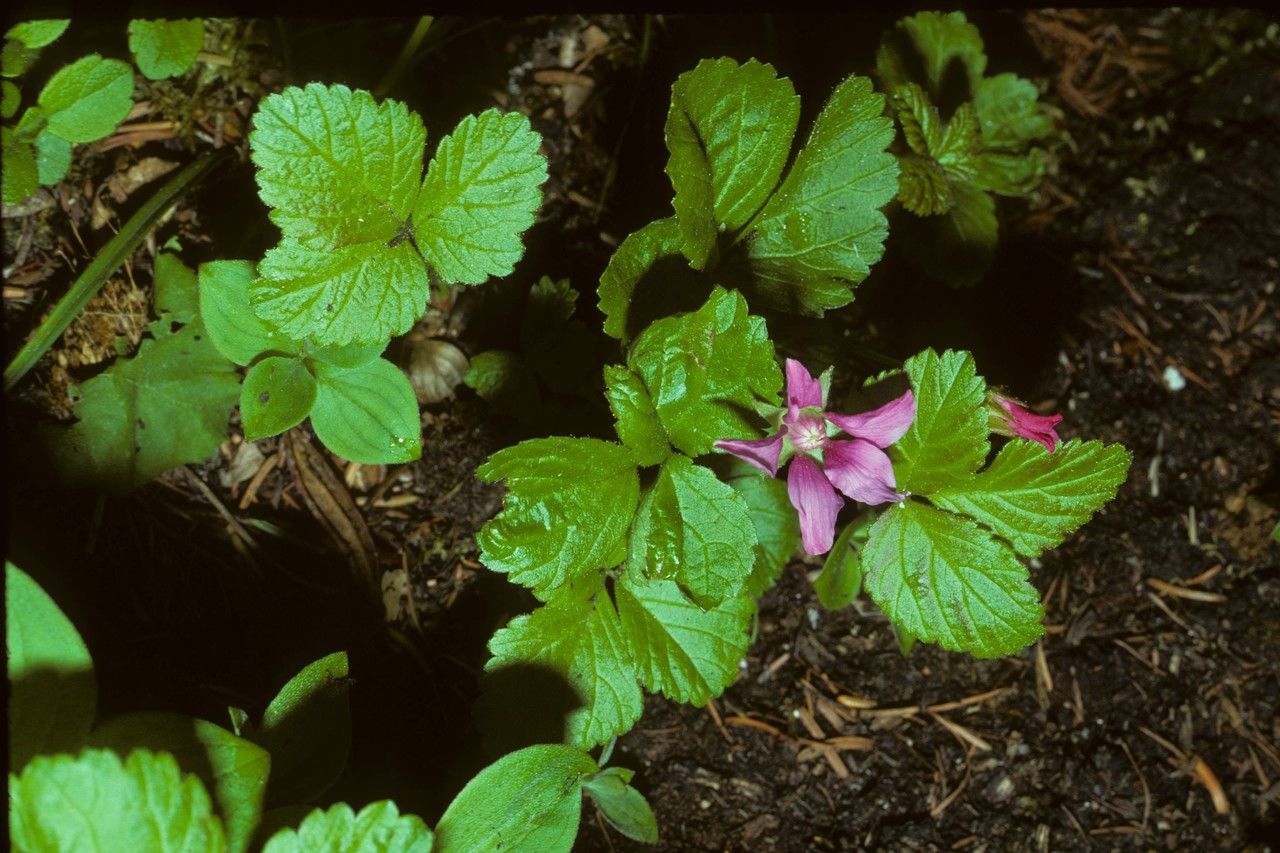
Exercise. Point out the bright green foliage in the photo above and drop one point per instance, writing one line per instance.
(634, 257)
(66, 802)
(38, 34)
(776, 524)
(823, 229)
(307, 730)
(729, 132)
(85, 100)
(166, 406)
(342, 174)
(165, 48)
(938, 39)
(841, 578)
(944, 152)
(176, 297)
(636, 421)
(947, 581)
(277, 394)
(20, 171)
(1011, 120)
(237, 332)
(526, 802)
(569, 504)
(378, 828)
(686, 653)
(505, 379)
(705, 370)
(622, 805)
(695, 530)
(481, 193)
(947, 441)
(1034, 498)
(53, 158)
(52, 693)
(234, 770)
(368, 413)
(578, 635)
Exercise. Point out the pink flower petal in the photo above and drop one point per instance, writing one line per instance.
(802, 389)
(818, 504)
(882, 426)
(760, 452)
(1027, 424)
(860, 470)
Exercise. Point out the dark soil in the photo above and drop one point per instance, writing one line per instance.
(1151, 255)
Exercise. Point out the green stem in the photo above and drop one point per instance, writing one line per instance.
(107, 262)
(406, 55)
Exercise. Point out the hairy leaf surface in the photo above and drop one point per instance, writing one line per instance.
(947, 440)
(377, 828)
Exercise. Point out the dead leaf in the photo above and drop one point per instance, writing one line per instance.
(436, 367)
(146, 170)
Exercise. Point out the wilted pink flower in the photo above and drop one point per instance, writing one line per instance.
(1008, 417)
(858, 466)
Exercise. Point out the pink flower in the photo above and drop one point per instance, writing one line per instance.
(1008, 417)
(820, 463)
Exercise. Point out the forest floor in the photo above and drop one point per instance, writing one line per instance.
(1136, 295)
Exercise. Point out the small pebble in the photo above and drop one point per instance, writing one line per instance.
(1173, 379)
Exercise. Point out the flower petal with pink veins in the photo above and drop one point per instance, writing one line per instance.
(882, 426)
(760, 452)
(1027, 424)
(802, 389)
(860, 470)
(816, 502)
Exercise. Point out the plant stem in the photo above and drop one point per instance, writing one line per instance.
(406, 55)
(107, 261)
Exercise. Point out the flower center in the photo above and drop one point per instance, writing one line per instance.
(808, 433)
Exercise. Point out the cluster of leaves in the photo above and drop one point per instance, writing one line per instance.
(797, 243)
(556, 358)
(649, 564)
(932, 64)
(169, 782)
(81, 102)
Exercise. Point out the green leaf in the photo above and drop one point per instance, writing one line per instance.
(53, 158)
(841, 577)
(341, 173)
(629, 308)
(166, 406)
(705, 370)
(224, 306)
(948, 150)
(923, 187)
(921, 49)
(689, 654)
(635, 419)
(622, 805)
(12, 99)
(695, 530)
(361, 293)
(579, 637)
(947, 440)
(351, 355)
(776, 524)
(307, 730)
(52, 692)
(378, 828)
(823, 229)
(1034, 498)
(549, 307)
(277, 394)
(1008, 113)
(729, 131)
(945, 580)
(481, 193)
(525, 802)
(16, 58)
(38, 34)
(569, 504)
(20, 171)
(503, 378)
(165, 48)
(95, 801)
(177, 296)
(84, 101)
(234, 769)
(367, 414)
(1009, 174)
